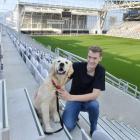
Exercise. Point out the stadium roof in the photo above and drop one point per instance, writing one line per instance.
(97, 4)
(73, 3)
(79, 9)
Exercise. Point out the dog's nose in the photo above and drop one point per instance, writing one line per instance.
(61, 64)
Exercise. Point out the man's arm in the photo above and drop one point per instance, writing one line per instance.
(83, 98)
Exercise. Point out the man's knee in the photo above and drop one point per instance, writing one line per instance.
(94, 105)
(68, 121)
(69, 126)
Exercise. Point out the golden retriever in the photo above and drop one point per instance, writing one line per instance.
(45, 100)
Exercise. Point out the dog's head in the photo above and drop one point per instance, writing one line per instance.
(62, 66)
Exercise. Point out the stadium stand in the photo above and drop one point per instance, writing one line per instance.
(128, 23)
(108, 127)
(49, 19)
(40, 79)
(128, 29)
(114, 117)
(119, 104)
(16, 129)
(42, 19)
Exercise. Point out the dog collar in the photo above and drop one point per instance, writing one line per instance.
(55, 85)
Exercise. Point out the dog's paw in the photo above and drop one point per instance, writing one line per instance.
(48, 129)
(56, 118)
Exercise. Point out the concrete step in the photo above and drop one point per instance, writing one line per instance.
(127, 133)
(24, 124)
(129, 129)
(84, 123)
(110, 132)
(119, 131)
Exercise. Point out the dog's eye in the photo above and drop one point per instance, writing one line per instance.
(66, 62)
(58, 61)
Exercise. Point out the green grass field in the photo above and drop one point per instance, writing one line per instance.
(121, 56)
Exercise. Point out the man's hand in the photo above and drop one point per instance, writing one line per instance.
(63, 94)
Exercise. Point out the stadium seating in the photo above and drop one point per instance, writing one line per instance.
(129, 29)
(36, 73)
(15, 124)
(114, 117)
(40, 79)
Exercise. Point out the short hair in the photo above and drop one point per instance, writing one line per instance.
(95, 49)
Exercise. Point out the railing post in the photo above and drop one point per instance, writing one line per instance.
(136, 93)
(49, 47)
(57, 52)
(70, 57)
(119, 84)
(126, 87)
(1, 56)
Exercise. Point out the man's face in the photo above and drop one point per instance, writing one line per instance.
(93, 59)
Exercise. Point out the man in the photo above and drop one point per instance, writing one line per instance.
(88, 80)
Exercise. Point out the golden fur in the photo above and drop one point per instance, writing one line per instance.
(45, 100)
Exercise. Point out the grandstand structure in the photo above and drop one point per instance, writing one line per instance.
(122, 4)
(26, 67)
(41, 19)
(129, 24)
(114, 17)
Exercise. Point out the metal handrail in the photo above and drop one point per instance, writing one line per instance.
(119, 83)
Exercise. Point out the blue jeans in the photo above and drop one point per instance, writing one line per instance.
(72, 110)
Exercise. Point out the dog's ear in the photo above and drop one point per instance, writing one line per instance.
(70, 71)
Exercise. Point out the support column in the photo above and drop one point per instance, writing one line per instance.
(77, 25)
(1, 55)
(98, 25)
